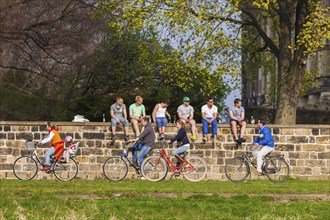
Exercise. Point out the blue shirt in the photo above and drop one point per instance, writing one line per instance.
(265, 137)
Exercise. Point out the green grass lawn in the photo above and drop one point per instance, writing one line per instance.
(169, 199)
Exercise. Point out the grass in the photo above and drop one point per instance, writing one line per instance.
(169, 199)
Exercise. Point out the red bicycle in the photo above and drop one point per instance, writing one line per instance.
(155, 168)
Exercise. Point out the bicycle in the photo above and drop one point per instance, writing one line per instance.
(26, 167)
(116, 168)
(155, 168)
(275, 167)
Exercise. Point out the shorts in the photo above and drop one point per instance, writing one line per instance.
(161, 122)
(230, 120)
(121, 119)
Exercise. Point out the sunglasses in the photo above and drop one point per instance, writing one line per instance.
(210, 101)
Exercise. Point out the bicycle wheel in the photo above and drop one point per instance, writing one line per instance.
(65, 171)
(154, 168)
(115, 169)
(277, 169)
(25, 168)
(195, 170)
(237, 170)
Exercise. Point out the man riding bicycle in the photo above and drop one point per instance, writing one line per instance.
(265, 143)
(147, 137)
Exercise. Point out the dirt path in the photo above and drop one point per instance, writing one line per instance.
(277, 197)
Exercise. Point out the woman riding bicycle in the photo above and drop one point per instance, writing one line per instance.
(182, 140)
(56, 146)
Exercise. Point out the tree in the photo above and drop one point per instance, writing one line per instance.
(208, 32)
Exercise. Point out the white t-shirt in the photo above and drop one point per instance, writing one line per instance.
(209, 112)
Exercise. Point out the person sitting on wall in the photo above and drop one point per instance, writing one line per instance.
(237, 117)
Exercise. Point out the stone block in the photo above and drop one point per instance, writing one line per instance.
(229, 154)
(3, 136)
(276, 131)
(284, 147)
(250, 131)
(217, 153)
(11, 136)
(211, 161)
(20, 128)
(323, 140)
(94, 136)
(324, 155)
(300, 155)
(6, 151)
(297, 139)
(300, 163)
(229, 146)
(15, 144)
(298, 147)
(303, 131)
(302, 170)
(207, 153)
(6, 166)
(293, 162)
(315, 131)
(313, 155)
(6, 128)
(204, 146)
(225, 131)
(287, 131)
(311, 139)
(325, 170)
(314, 147)
(36, 136)
(318, 163)
(24, 135)
(325, 131)
(221, 138)
(220, 161)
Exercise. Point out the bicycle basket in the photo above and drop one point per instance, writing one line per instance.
(29, 145)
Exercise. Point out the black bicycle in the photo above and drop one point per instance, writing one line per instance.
(26, 167)
(116, 168)
(275, 167)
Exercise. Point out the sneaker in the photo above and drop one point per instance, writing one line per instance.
(258, 173)
(161, 137)
(126, 138)
(44, 168)
(113, 138)
(238, 141)
(204, 139)
(242, 139)
(194, 137)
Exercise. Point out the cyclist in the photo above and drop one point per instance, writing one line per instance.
(147, 137)
(182, 140)
(265, 143)
(56, 145)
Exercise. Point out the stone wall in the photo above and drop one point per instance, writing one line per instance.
(307, 147)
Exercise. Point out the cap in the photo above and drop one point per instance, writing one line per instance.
(186, 99)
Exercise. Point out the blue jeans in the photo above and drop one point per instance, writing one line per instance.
(48, 154)
(161, 122)
(206, 126)
(180, 151)
(143, 152)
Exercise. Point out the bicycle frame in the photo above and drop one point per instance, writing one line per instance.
(173, 167)
(124, 156)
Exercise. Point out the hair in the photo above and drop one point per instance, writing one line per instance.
(167, 101)
(209, 98)
(237, 101)
(51, 124)
(138, 98)
(262, 121)
(146, 119)
(118, 97)
(182, 123)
